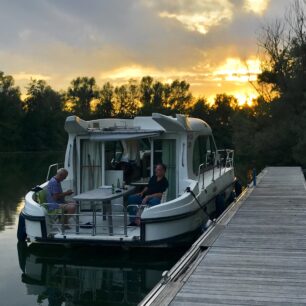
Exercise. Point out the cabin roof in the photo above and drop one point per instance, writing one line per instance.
(133, 128)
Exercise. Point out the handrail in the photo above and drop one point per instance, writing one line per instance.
(228, 157)
(57, 165)
(202, 171)
(223, 158)
(121, 214)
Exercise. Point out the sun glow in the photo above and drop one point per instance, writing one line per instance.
(256, 6)
(232, 77)
(28, 76)
(125, 73)
(130, 72)
(235, 70)
(245, 98)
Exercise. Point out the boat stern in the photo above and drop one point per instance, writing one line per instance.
(35, 218)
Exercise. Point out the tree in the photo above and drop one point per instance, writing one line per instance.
(133, 97)
(158, 96)
(178, 97)
(220, 119)
(200, 109)
(82, 92)
(105, 107)
(44, 118)
(151, 96)
(284, 46)
(10, 114)
(127, 100)
(146, 93)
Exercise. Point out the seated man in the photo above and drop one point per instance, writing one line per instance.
(152, 194)
(56, 196)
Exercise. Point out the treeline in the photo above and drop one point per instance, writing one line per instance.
(266, 133)
(36, 123)
(271, 132)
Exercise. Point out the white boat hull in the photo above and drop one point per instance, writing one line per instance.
(160, 231)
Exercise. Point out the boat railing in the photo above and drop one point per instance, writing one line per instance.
(226, 158)
(102, 210)
(56, 166)
(222, 159)
(201, 172)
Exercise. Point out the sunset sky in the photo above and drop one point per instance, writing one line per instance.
(212, 44)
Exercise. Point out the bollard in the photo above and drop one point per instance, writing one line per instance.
(254, 177)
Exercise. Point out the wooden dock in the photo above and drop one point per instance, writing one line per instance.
(254, 255)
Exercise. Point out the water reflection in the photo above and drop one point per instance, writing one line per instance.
(19, 173)
(91, 276)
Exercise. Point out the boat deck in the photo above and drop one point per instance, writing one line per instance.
(255, 255)
(85, 229)
(103, 224)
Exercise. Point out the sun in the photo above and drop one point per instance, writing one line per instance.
(236, 70)
(245, 98)
(234, 77)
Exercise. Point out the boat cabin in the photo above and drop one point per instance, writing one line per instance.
(108, 152)
(108, 159)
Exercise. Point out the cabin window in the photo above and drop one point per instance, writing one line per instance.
(113, 154)
(204, 152)
(199, 152)
(210, 151)
(165, 152)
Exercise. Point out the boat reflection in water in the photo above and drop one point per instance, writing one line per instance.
(91, 276)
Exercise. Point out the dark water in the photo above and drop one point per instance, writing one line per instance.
(36, 275)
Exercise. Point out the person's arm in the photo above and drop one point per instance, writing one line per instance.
(154, 195)
(61, 195)
(143, 191)
(162, 189)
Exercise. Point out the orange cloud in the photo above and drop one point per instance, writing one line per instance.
(21, 76)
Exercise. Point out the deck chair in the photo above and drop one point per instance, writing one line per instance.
(164, 197)
(54, 214)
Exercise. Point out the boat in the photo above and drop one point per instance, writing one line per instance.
(108, 159)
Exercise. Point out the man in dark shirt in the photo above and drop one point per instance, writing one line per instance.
(152, 194)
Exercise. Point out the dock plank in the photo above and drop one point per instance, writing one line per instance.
(259, 257)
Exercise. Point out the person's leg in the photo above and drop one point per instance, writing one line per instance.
(69, 210)
(133, 200)
(70, 207)
(153, 201)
